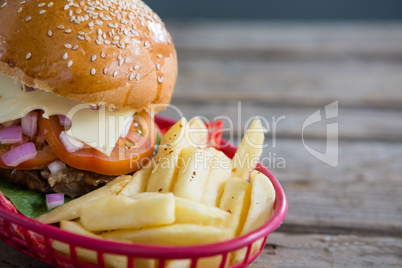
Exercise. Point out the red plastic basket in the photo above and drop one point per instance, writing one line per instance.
(35, 239)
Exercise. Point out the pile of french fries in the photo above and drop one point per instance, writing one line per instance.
(189, 195)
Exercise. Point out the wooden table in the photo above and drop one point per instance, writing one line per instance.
(344, 216)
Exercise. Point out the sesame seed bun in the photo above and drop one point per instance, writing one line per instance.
(106, 53)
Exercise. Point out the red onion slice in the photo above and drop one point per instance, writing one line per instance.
(11, 135)
(19, 155)
(29, 124)
(64, 121)
(54, 200)
(71, 144)
(56, 166)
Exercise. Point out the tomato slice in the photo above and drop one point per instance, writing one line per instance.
(215, 129)
(125, 158)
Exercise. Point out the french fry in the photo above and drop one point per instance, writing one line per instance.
(86, 255)
(236, 200)
(249, 152)
(189, 211)
(219, 173)
(71, 210)
(193, 173)
(176, 234)
(121, 212)
(138, 183)
(165, 170)
(142, 195)
(205, 262)
(197, 133)
(261, 207)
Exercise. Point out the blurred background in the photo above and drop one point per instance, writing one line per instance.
(285, 61)
(279, 10)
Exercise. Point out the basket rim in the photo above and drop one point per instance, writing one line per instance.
(164, 252)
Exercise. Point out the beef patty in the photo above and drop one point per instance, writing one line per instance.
(70, 181)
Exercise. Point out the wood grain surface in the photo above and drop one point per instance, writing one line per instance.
(344, 216)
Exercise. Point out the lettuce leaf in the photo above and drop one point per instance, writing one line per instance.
(29, 203)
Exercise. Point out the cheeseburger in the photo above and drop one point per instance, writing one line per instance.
(78, 83)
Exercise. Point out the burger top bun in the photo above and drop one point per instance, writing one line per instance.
(113, 52)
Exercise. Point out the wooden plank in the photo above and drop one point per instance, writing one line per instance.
(363, 194)
(317, 251)
(299, 83)
(11, 258)
(290, 40)
(354, 124)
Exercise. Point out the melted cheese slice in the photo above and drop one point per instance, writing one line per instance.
(99, 129)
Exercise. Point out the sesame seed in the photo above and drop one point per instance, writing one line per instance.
(4, 4)
(98, 42)
(93, 58)
(160, 79)
(103, 54)
(91, 24)
(131, 77)
(158, 66)
(41, 4)
(81, 37)
(146, 43)
(65, 56)
(19, 9)
(22, 2)
(136, 67)
(127, 60)
(137, 77)
(50, 33)
(121, 62)
(60, 27)
(159, 56)
(81, 33)
(70, 13)
(66, 7)
(50, 4)
(115, 73)
(69, 63)
(93, 71)
(87, 38)
(28, 56)
(105, 70)
(107, 42)
(75, 47)
(116, 38)
(99, 31)
(28, 18)
(68, 31)
(42, 11)
(67, 46)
